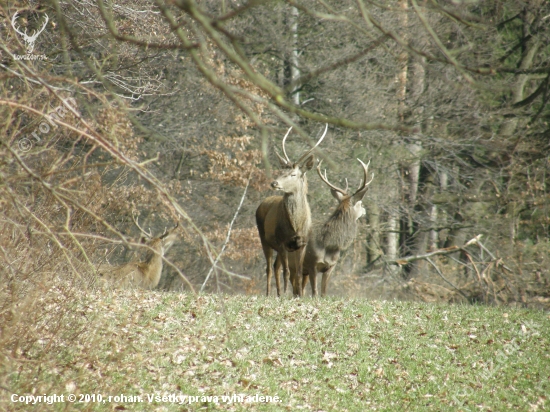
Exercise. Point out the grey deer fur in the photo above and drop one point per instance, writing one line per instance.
(284, 221)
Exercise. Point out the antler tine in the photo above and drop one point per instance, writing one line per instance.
(167, 232)
(43, 27)
(149, 235)
(306, 154)
(284, 151)
(13, 23)
(364, 182)
(325, 179)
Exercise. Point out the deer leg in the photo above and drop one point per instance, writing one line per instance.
(305, 280)
(324, 282)
(278, 264)
(297, 279)
(286, 270)
(268, 252)
(277, 267)
(313, 280)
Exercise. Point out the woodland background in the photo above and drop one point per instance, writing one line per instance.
(181, 105)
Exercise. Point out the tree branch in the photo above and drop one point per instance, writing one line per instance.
(226, 239)
(408, 259)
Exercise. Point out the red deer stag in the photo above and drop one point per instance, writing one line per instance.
(327, 241)
(144, 274)
(284, 221)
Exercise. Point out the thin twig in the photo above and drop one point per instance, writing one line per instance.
(226, 238)
(443, 277)
(439, 43)
(478, 275)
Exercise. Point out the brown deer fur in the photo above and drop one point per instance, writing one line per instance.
(284, 221)
(144, 274)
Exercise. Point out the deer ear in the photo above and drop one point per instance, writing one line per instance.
(359, 195)
(337, 195)
(308, 164)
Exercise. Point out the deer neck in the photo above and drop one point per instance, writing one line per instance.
(152, 265)
(297, 211)
(339, 230)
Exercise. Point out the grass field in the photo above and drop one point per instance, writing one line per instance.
(318, 355)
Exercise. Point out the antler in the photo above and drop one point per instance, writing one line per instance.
(34, 36)
(284, 150)
(13, 24)
(284, 160)
(167, 232)
(306, 154)
(325, 179)
(364, 183)
(149, 235)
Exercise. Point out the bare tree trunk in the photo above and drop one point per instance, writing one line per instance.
(422, 234)
(530, 50)
(433, 234)
(418, 85)
(294, 67)
(421, 222)
(425, 211)
(282, 51)
(411, 178)
(466, 211)
(414, 173)
(509, 126)
(373, 239)
(402, 60)
(443, 185)
(392, 237)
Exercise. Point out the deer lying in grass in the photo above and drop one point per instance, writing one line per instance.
(327, 241)
(284, 221)
(144, 274)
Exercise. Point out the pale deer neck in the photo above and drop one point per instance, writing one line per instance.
(152, 266)
(298, 212)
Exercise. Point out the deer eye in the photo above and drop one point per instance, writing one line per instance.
(293, 175)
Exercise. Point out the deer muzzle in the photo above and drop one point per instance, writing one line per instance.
(275, 185)
(296, 243)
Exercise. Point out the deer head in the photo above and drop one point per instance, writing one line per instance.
(168, 238)
(165, 240)
(342, 195)
(29, 40)
(293, 177)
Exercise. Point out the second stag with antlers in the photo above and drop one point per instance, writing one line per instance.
(284, 221)
(327, 241)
